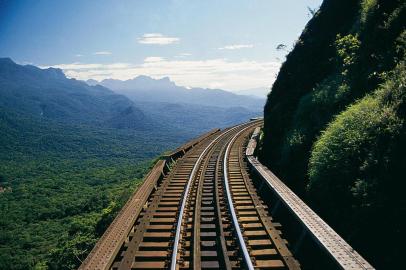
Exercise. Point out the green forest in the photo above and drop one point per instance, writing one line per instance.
(61, 185)
(70, 156)
(335, 128)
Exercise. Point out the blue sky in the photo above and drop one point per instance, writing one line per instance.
(224, 44)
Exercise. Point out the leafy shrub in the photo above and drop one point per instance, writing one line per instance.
(356, 168)
(367, 7)
(347, 49)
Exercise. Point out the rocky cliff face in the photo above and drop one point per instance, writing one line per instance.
(334, 121)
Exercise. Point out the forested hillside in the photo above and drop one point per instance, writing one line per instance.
(61, 185)
(335, 127)
(47, 94)
(70, 156)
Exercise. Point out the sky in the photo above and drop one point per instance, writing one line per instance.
(207, 43)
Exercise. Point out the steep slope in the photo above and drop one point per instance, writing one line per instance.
(48, 94)
(143, 88)
(335, 122)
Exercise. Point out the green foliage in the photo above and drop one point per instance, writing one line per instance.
(309, 66)
(337, 160)
(400, 45)
(367, 7)
(395, 15)
(329, 131)
(62, 185)
(71, 252)
(56, 209)
(312, 114)
(347, 49)
(356, 167)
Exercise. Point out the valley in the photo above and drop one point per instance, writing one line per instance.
(71, 154)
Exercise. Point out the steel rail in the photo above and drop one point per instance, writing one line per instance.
(217, 179)
(243, 246)
(182, 208)
(197, 212)
(108, 246)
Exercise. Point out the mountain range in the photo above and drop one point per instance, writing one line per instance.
(72, 153)
(144, 88)
(142, 103)
(47, 94)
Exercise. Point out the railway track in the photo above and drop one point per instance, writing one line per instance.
(205, 214)
(199, 208)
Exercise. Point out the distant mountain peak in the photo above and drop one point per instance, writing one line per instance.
(6, 60)
(56, 73)
(10, 70)
(145, 88)
(92, 82)
(47, 93)
(140, 82)
(166, 79)
(141, 77)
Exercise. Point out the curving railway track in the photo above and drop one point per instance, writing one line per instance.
(204, 212)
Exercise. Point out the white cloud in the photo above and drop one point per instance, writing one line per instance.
(78, 55)
(85, 67)
(237, 47)
(211, 73)
(102, 53)
(157, 39)
(153, 59)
